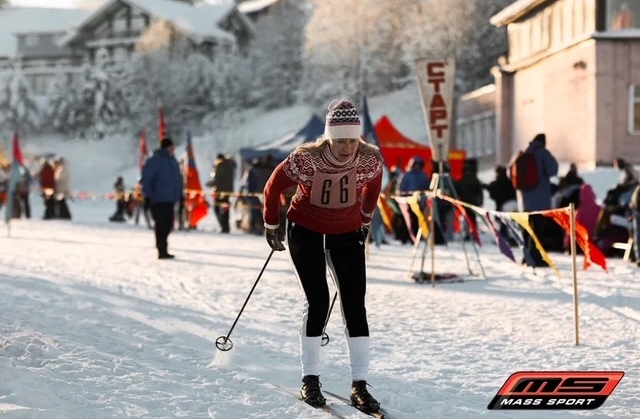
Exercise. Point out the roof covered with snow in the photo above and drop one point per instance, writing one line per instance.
(198, 22)
(34, 20)
(253, 6)
(514, 11)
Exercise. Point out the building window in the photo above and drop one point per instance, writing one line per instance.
(31, 41)
(623, 14)
(634, 109)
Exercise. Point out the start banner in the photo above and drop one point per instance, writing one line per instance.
(436, 79)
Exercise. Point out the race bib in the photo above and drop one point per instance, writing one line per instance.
(334, 190)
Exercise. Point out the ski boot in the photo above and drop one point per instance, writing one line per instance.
(362, 399)
(310, 391)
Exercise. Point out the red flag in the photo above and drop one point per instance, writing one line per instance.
(162, 125)
(17, 153)
(591, 252)
(144, 151)
(473, 229)
(194, 202)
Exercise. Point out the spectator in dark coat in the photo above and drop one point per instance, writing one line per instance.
(23, 189)
(163, 186)
(469, 189)
(501, 189)
(222, 176)
(569, 188)
(120, 201)
(538, 198)
(628, 175)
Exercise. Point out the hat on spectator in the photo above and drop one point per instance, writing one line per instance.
(166, 143)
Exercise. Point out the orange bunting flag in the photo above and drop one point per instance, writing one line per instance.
(592, 253)
(162, 125)
(522, 218)
(195, 203)
(387, 214)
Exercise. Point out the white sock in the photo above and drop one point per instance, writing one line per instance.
(358, 357)
(310, 355)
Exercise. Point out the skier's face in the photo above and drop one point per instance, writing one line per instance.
(343, 149)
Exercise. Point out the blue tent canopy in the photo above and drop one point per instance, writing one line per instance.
(281, 147)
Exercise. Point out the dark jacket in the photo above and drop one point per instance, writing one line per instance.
(501, 191)
(469, 189)
(162, 179)
(223, 176)
(539, 198)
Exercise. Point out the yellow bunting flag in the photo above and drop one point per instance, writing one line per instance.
(422, 221)
(522, 218)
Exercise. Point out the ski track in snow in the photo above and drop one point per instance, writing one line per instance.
(93, 326)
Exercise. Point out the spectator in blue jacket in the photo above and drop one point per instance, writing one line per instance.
(163, 187)
(415, 179)
(538, 198)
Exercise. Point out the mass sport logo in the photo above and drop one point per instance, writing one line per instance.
(542, 390)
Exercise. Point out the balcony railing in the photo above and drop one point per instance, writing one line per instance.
(134, 33)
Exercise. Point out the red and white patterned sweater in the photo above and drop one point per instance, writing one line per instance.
(336, 182)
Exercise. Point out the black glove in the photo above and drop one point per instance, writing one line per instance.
(275, 238)
(364, 230)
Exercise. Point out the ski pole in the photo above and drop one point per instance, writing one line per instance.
(223, 343)
(325, 336)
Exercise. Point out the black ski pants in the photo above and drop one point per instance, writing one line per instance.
(346, 261)
(163, 213)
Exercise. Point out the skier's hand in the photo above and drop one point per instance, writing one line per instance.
(364, 230)
(275, 238)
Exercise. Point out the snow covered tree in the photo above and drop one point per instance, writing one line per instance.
(353, 48)
(199, 88)
(459, 29)
(18, 107)
(61, 105)
(276, 54)
(99, 107)
(370, 46)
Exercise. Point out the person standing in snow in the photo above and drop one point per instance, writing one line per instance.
(338, 181)
(162, 185)
(62, 189)
(47, 186)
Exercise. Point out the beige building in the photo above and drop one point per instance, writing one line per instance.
(572, 72)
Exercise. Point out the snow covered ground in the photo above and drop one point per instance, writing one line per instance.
(93, 326)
